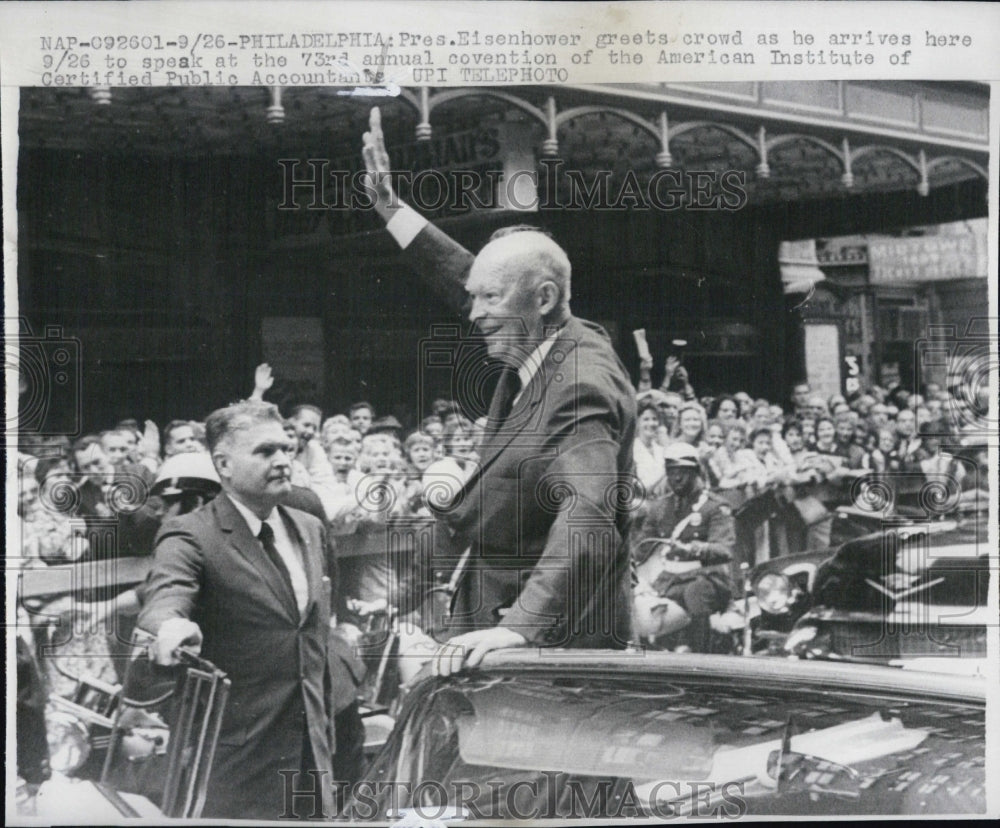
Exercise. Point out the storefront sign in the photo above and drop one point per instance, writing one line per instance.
(831, 252)
(925, 259)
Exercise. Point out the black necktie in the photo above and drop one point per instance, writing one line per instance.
(266, 538)
(508, 387)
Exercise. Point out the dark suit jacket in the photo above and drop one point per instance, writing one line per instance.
(546, 512)
(136, 520)
(209, 568)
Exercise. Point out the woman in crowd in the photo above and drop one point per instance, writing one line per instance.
(802, 468)
(725, 409)
(691, 425)
(883, 458)
(715, 436)
(725, 455)
(647, 451)
(826, 437)
(745, 403)
(47, 495)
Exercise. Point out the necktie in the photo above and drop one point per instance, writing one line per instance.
(266, 537)
(507, 389)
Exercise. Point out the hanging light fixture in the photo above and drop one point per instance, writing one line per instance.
(275, 112)
(100, 95)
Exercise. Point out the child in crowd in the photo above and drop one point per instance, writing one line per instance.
(419, 452)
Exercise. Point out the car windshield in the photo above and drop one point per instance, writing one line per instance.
(527, 747)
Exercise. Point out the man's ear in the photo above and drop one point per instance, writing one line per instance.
(547, 297)
(221, 461)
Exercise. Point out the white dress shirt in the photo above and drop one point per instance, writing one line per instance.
(287, 549)
(405, 224)
(531, 366)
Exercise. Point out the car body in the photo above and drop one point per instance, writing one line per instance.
(569, 734)
(914, 592)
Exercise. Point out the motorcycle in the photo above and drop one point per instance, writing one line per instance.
(658, 619)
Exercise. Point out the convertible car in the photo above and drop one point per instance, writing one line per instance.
(643, 735)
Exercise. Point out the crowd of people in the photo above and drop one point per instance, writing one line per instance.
(810, 453)
(358, 470)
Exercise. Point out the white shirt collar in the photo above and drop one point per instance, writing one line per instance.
(252, 520)
(531, 366)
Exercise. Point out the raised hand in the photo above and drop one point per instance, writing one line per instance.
(149, 445)
(263, 379)
(377, 165)
(670, 366)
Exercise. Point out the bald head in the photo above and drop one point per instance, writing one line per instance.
(519, 284)
(531, 258)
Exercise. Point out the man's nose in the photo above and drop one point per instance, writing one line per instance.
(476, 311)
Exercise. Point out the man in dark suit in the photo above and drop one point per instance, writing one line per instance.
(244, 579)
(544, 515)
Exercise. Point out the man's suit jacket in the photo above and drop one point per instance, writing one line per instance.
(210, 569)
(546, 513)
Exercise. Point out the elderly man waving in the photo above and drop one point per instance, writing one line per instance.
(544, 516)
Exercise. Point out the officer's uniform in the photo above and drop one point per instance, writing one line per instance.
(704, 522)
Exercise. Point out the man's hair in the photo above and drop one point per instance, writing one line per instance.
(503, 232)
(342, 442)
(86, 442)
(418, 438)
(824, 418)
(116, 430)
(306, 407)
(46, 465)
(760, 432)
(223, 422)
(717, 404)
(172, 426)
(791, 425)
(359, 405)
(736, 426)
(441, 407)
(128, 424)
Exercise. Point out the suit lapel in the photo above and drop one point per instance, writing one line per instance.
(522, 415)
(248, 547)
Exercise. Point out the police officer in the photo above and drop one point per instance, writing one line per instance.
(690, 565)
